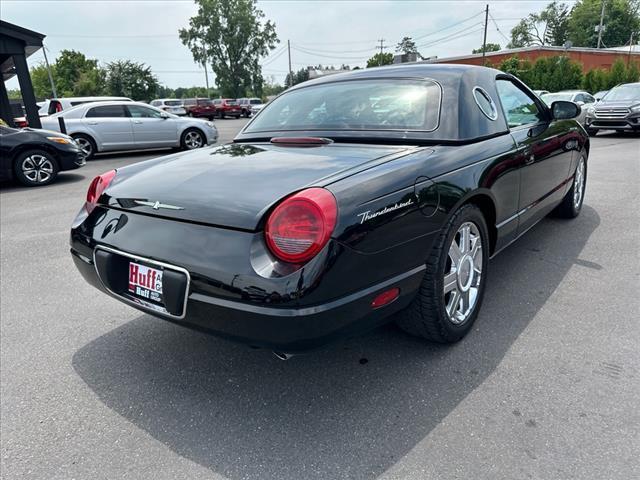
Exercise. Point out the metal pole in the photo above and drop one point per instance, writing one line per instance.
(484, 42)
(630, 47)
(46, 61)
(206, 75)
(601, 22)
(290, 71)
(381, 51)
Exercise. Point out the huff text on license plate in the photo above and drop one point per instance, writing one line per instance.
(145, 282)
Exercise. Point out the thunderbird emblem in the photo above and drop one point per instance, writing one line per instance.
(157, 205)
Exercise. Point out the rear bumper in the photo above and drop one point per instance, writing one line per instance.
(227, 298)
(289, 330)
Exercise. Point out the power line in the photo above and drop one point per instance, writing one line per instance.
(498, 28)
(451, 36)
(449, 26)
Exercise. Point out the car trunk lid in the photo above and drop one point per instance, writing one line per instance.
(234, 185)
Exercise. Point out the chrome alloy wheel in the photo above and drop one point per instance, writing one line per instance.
(463, 273)
(578, 184)
(193, 140)
(85, 146)
(37, 168)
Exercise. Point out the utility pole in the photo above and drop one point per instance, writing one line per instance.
(486, 22)
(206, 78)
(630, 47)
(601, 21)
(381, 51)
(290, 71)
(46, 61)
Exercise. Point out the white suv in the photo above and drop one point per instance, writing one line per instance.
(171, 105)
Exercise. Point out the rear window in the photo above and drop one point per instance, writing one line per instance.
(255, 102)
(107, 111)
(204, 102)
(173, 103)
(379, 104)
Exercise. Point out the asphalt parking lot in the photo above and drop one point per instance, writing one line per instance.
(545, 387)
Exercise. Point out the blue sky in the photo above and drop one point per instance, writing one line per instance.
(327, 32)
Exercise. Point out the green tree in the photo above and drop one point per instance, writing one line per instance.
(232, 36)
(595, 80)
(40, 81)
(14, 94)
(70, 67)
(90, 83)
(518, 68)
(406, 45)
(617, 74)
(300, 76)
(621, 18)
(633, 73)
(380, 59)
(490, 47)
(548, 27)
(130, 79)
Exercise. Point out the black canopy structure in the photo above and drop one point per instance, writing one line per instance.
(16, 44)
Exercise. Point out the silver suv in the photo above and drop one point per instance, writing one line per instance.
(618, 110)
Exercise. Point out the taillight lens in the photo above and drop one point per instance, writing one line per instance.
(301, 225)
(96, 189)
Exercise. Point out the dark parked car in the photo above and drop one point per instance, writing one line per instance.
(200, 107)
(324, 218)
(34, 157)
(618, 110)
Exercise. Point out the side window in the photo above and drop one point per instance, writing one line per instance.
(589, 99)
(107, 111)
(155, 103)
(217, 102)
(137, 111)
(519, 108)
(580, 98)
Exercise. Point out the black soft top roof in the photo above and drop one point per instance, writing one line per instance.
(461, 119)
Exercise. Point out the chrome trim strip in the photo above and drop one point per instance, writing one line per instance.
(300, 312)
(152, 262)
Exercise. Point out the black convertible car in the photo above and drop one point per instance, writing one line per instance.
(346, 200)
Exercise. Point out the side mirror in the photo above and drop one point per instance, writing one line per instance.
(563, 110)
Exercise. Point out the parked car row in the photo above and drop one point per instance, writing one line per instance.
(615, 109)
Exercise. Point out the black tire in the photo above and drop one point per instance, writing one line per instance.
(592, 131)
(35, 168)
(86, 143)
(186, 139)
(245, 113)
(426, 316)
(570, 207)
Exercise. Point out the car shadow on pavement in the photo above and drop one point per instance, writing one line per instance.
(350, 410)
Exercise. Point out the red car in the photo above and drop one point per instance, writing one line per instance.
(227, 107)
(200, 107)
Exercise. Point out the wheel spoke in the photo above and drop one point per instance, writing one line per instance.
(450, 281)
(465, 238)
(454, 253)
(476, 248)
(454, 301)
(465, 302)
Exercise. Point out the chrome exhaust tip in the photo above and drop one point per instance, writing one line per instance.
(283, 356)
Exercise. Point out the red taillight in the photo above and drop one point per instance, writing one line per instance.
(301, 225)
(385, 298)
(97, 187)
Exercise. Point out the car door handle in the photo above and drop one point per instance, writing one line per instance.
(529, 157)
(92, 123)
(137, 121)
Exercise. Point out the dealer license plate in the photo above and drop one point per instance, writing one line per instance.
(145, 283)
